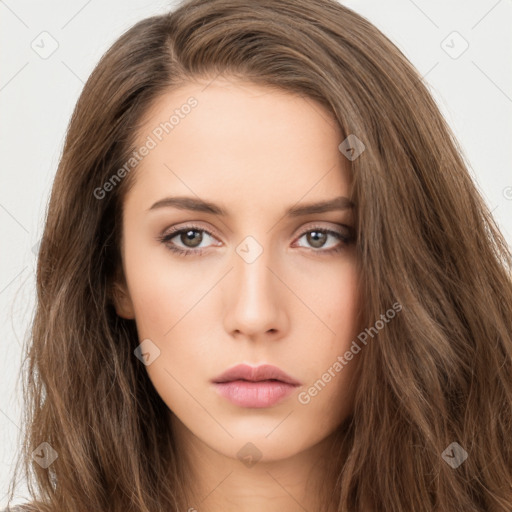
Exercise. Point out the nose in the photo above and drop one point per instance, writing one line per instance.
(256, 299)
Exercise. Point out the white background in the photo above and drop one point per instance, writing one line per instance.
(474, 92)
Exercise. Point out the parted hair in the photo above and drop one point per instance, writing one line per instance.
(439, 373)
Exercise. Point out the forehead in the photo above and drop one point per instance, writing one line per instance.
(229, 140)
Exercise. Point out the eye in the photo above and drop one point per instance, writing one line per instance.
(190, 237)
(317, 237)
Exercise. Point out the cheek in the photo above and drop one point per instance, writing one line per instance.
(337, 302)
(169, 312)
(332, 382)
(161, 291)
(173, 310)
(344, 307)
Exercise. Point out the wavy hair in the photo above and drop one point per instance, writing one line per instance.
(440, 373)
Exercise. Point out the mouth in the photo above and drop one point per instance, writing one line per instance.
(255, 387)
(265, 372)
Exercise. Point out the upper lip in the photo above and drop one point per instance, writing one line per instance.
(255, 374)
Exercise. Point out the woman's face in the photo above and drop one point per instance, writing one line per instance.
(257, 284)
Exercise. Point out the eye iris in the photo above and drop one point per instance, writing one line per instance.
(316, 238)
(191, 235)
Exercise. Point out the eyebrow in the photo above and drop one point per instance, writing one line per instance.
(199, 205)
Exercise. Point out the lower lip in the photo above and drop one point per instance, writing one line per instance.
(260, 394)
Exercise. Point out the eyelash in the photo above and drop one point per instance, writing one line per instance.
(165, 239)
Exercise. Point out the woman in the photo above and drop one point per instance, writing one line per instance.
(267, 281)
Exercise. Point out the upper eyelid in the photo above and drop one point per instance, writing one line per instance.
(171, 232)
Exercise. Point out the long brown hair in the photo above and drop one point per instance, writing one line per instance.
(440, 373)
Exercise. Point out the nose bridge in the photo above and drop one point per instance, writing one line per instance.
(254, 306)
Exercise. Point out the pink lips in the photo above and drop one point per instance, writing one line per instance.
(255, 387)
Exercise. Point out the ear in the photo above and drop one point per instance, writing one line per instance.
(121, 299)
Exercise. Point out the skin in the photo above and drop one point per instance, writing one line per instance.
(254, 151)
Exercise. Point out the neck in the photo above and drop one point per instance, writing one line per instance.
(214, 481)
